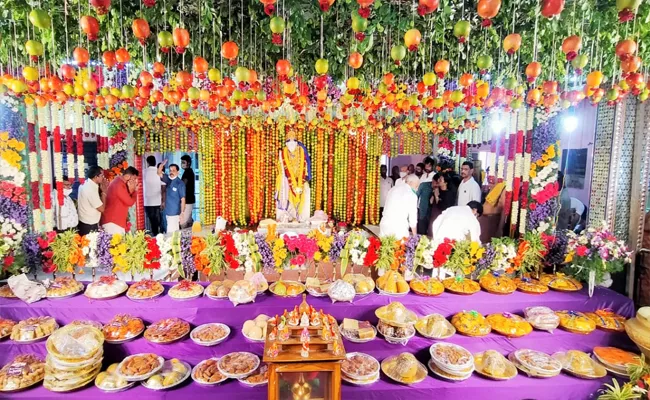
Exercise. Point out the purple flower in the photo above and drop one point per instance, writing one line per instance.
(544, 135)
(557, 249)
(104, 257)
(12, 122)
(32, 252)
(187, 258)
(485, 262)
(409, 252)
(117, 158)
(266, 254)
(14, 211)
(543, 212)
(337, 246)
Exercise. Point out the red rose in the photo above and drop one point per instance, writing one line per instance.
(582, 251)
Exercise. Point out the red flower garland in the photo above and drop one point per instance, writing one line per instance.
(372, 255)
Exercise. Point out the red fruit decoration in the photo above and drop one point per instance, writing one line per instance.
(488, 9)
(364, 8)
(427, 6)
(355, 60)
(146, 80)
(101, 6)
(325, 5)
(631, 65)
(123, 57)
(625, 49)
(109, 60)
(141, 30)
(181, 39)
(158, 70)
(81, 56)
(200, 66)
(511, 43)
(441, 68)
(412, 39)
(229, 51)
(184, 79)
(627, 9)
(149, 3)
(283, 67)
(533, 70)
(67, 72)
(269, 6)
(90, 27)
(551, 8)
(571, 46)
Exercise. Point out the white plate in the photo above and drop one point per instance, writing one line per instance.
(161, 362)
(393, 294)
(67, 296)
(188, 372)
(463, 367)
(206, 383)
(393, 340)
(315, 294)
(243, 381)
(434, 368)
(262, 340)
(360, 382)
(214, 342)
(237, 376)
(355, 340)
(118, 341)
(357, 377)
(144, 299)
(116, 390)
(37, 339)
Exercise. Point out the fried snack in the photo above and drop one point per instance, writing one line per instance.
(607, 320)
(238, 364)
(579, 363)
(576, 322)
(167, 330)
(64, 286)
(6, 326)
(145, 289)
(497, 283)
(260, 376)
(219, 289)
(531, 286)
(109, 380)
(510, 325)
(33, 328)
(435, 326)
(209, 333)
(106, 287)
(451, 357)
(122, 327)
(6, 292)
(461, 286)
(360, 366)
(23, 371)
(362, 284)
(87, 322)
(185, 290)
(429, 287)
(538, 362)
(393, 282)
(207, 372)
(139, 365)
(395, 332)
(471, 323)
(613, 357)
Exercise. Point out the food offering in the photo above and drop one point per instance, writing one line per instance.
(357, 331)
(207, 372)
(139, 367)
(33, 329)
(542, 318)
(287, 288)
(172, 373)
(616, 360)
(167, 330)
(607, 320)
(6, 326)
(530, 286)
(497, 283)
(259, 377)
(23, 371)
(494, 365)
(87, 322)
(341, 291)
(64, 287)
(146, 289)
(316, 287)
(510, 325)
(392, 283)
(404, 368)
(395, 334)
(427, 287)
(535, 363)
(471, 323)
(242, 292)
(450, 361)
(7, 293)
(74, 359)
(110, 381)
(576, 322)
(219, 289)
(462, 286)
(360, 369)
(435, 326)
(238, 365)
(255, 330)
(258, 280)
(396, 323)
(122, 328)
(560, 282)
(363, 285)
(210, 334)
(186, 290)
(105, 288)
(578, 363)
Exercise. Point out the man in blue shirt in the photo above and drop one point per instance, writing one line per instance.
(175, 196)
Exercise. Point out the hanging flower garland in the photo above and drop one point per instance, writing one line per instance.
(57, 156)
(117, 153)
(44, 122)
(544, 190)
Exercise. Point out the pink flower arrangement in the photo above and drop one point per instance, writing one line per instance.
(301, 245)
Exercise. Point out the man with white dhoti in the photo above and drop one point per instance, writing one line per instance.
(457, 223)
(401, 210)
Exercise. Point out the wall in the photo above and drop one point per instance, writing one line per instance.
(406, 160)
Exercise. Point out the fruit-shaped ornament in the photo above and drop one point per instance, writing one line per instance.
(109, 60)
(81, 56)
(412, 39)
(511, 43)
(441, 68)
(90, 27)
(533, 70)
(181, 38)
(627, 9)
(551, 8)
(30, 74)
(355, 60)
(141, 30)
(594, 79)
(158, 70)
(353, 83)
(510, 83)
(466, 80)
(534, 97)
(580, 62)
(429, 79)
(325, 5)
(484, 63)
(183, 79)
(269, 6)
(462, 30)
(321, 66)
(625, 49)
(200, 66)
(123, 57)
(165, 41)
(214, 75)
(146, 79)
(643, 96)
(34, 49)
(427, 6)
(571, 46)
(397, 53)
(101, 6)
(630, 65)
(40, 19)
(612, 94)
(242, 74)
(359, 26)
(283, 67)
(67, 72)
(277, 28)
(364, 7)
(549, 87)
(229, 51)
(488, 9)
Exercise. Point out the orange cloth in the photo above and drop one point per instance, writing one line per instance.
(118, 201)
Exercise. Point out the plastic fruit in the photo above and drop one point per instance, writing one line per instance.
(321, 66)
(355, 60)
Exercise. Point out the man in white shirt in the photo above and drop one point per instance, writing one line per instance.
(153, 195)
(403, 173)
(468, 190)
(90, 202)
(457, 223)
(401, 210)
(65, 215)
(385, 184)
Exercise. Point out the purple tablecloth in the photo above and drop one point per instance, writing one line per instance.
(204, 310)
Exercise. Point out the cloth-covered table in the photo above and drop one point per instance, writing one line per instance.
(204, 310)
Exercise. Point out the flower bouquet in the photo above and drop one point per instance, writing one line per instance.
(388, 255)
(45, 247)
(464, 257)
(355, 250)
(324, 243)
(67, 252)
(530, 254)
(300, 251)
(152, 258)
(595, 254)
(424, 254)
(136, 256)
(248, 250)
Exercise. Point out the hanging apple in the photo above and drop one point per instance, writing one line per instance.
(165, 41)
(466, 80)
(359, 26)
(488, 9)
(40, 19)
(200, 66)
(412, 39)
(397, 53)
(462, 30)
(141, 30)
(427, 6)
(511, 43)
(630, 65)
(551, 8)
(484, 63)
(109, 60)
(277, 28)
(627, 9)
(123, 57)
(321, 66)
(158, 70)
(34, 49)
(181, 39)
(571, 46)
(283, 67)
(101, 6)
(81, 56)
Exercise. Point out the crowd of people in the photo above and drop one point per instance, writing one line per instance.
(168, 199)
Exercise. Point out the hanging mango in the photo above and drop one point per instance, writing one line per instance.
(277, 28)
(359, 26)
(427, 6)
(441, 68)
(511, 43)
(397, 53)
(355, 60)
(364, 8)
(533, 70)
(181, 38)
(40, 19)
(269, 6)
(321, 66)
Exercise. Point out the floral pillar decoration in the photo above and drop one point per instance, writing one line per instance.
(530, 117)
(68, 119)
(139, 203)
(56, 151)
(33, 146)
(519, 161)
(510, 166)
(45, 169)
(80, 152)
